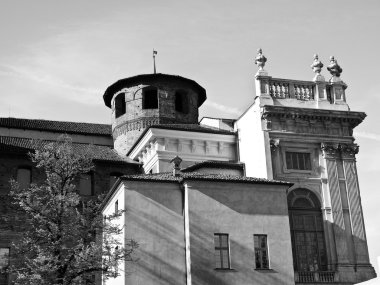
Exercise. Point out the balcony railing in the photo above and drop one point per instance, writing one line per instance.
(315, 277)
(284, 88)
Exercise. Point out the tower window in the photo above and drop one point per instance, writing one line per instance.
(120, 108)
(261, 251)
(150, 98)
(222, 251)
(298, 160)
(181, 102)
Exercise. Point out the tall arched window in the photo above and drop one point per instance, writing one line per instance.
(120, 107)
(306, 225)
(181, 102)
(150, 98)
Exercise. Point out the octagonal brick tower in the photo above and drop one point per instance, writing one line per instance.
(150, 99)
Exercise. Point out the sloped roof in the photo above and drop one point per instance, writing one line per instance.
(183, 127)
(98, 152)
(214, 164)
(169, 177)
(151, 78)
(57, 126)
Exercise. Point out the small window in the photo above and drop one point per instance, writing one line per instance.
(85, 185)
(116, 206)
(261, 252)
(120, 107)
(181, 102)
(24, 177)
(222, 251)
(4, 263)
(150, 98)
(298, 160)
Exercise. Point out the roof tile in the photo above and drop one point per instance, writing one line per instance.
(169, 177)
(99, 152)
(57, 126)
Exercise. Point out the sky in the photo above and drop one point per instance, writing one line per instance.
(58, 57)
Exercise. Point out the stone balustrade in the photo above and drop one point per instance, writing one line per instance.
(313, 94)
(316, 277)
(284, 88)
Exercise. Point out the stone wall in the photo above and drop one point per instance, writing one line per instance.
(128, 127)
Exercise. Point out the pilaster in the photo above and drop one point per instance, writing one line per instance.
(262, 87)
(331, 154)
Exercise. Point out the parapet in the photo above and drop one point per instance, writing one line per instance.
(317, 93)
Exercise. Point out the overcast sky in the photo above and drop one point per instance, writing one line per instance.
(58, 57)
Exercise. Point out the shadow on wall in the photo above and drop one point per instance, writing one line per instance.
(158, 226)
(274, 204)
(241, 256)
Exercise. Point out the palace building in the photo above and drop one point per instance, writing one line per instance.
(271, 197)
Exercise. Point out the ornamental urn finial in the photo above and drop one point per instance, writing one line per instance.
(334, 67)
(317, 65)
(260, 59)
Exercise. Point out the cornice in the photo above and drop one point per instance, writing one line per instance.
(154, 134)
(309, 114)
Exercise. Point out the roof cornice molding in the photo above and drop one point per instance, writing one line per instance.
(308, 114)
(158, 133)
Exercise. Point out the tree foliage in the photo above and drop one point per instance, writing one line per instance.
(64, 238)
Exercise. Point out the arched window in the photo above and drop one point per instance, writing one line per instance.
(150, 98)
(24, 177)
(181, 102)
(120, 105)
(306, 225)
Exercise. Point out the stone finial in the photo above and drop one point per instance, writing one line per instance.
(334, 67)
(176, 165)
(260, 59)
(317, 65)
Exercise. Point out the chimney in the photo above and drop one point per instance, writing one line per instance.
(176, 165)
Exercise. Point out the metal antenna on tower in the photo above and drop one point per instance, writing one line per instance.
(154, 61)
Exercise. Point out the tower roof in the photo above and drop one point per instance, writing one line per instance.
(152, 79)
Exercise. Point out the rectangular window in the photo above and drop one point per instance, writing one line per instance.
(4, 262)
(222, 251)
(85, 185)
(261, 251)
(298, 160)
(24, 177)
(116, 206)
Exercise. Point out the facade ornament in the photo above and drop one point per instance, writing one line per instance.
(260, 59)
(334, 67)
(317, 65)
(274, 144)
(349, 150)
(193, 146)
(330, 149)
